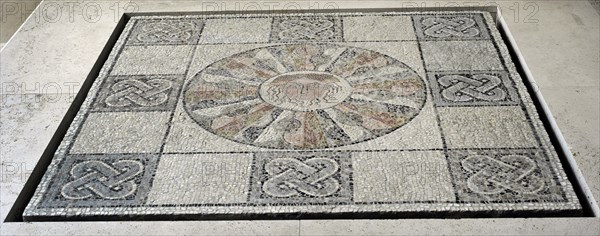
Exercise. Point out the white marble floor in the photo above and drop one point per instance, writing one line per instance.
(42, 67)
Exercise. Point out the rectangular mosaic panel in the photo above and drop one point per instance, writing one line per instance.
(320, 114)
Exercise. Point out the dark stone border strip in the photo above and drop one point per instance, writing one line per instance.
(552, 133)
(319, 216)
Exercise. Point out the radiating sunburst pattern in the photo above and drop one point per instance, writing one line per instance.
(304, 96)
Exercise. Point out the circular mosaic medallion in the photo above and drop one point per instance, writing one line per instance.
(304, 96)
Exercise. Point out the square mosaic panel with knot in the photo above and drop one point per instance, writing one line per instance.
(306, 114)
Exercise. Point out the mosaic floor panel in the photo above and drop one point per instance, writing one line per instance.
(315, 113)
